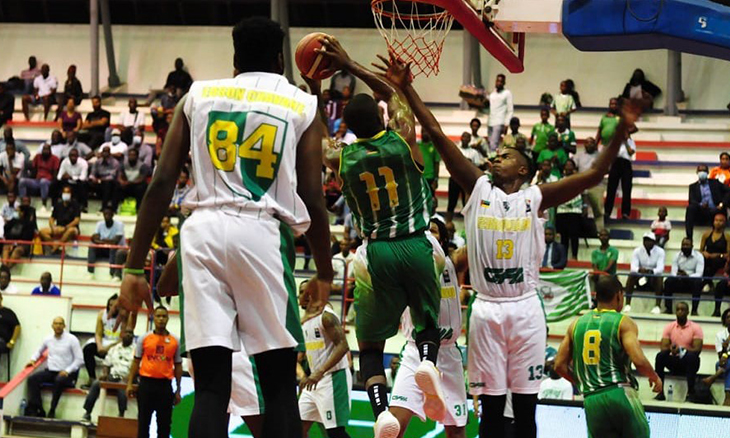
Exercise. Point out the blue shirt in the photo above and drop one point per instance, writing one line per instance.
(706, 195)
(117, 229)
(53, 291)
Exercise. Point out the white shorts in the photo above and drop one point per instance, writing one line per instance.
(330, 401)
(246, 397)
(406, 394)
(237, 274)
(507, 342)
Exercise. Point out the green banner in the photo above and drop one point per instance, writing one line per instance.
(564, 293)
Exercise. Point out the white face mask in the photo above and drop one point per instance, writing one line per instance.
(137, 139)
(116, 139)
(66, 197)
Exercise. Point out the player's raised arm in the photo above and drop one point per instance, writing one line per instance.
(330, 149)
(565, 355)
(462, 170)
(559, 192)
(629, 333)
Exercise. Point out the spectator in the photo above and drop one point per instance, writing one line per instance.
(107, 334)
(28, 75)
(605, 257)
(621, 171)
(103, 178)
(157, 359)
(181, 191)
(554, 387)
(687, 268)
(132, 118)
(108, 232)
(63, 223)
(570, 88)
(132, 178)
(74, 172)
(57, 144)
(638, 85)
(584, 160)
(19, 145)
(72, 91)
(64, 361)
(565, 135)
(555, 154)
(46, 287)
(25, 202)
(510, 140)
(146, 152)
(341, 80)
(179, 79)
(9, 327)
(166, 236)
(69, 120)
(11, 167)
(661, 227)
(722, 370)
(647, 261)
(96, 123)
(115, 369)
(715, 247)
(344, 135)
(500, 111)
(722, 338)
(540, 132)
(44, 92)
(5, 286)
(431, 161)
(7, 104)
(722, 172)
(722, 289)
(569, 217)
(20, 228)
(563, 104)
(555, 256)
(44, 169)
(707, 197)
(455, 238)
(477, 141)
(117, 148)
(10, 207)
(72, 143)
(680, 349)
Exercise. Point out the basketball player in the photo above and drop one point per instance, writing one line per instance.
(507, 328)
(325, 396)
(256, 164)
(406, 398)
(600, 346)
(398, 265)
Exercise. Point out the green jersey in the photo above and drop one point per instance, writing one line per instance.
(599, 359)
(384, 187)
(608, 127)
(540, 133)
(431, 159)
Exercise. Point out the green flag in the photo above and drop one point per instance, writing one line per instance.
(564, 293)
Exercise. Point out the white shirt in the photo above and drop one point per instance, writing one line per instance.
(473, 155)
(119, 148)
(623, 151)
(18, 162)
(135, 120)
(11, 289)
(45, 86)
(720, 337)
(78, 171)
(694, 265)
(119, 359)
(555, 389)
(500, 107)
(338, 265)
(64, 353)
(584, 160)
(653, 261)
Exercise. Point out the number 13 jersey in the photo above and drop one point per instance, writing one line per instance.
(505, 241)
(244, 134)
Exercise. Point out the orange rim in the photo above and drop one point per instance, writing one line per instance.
(378, 8)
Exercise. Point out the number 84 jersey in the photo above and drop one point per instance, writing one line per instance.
(505, 241)
(244, 133)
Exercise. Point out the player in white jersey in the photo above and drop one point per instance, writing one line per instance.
(256, 161)
(325, 396)
(505, 238)
(406, 397)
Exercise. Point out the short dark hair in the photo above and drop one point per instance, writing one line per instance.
(479, 122)
(161, 307)
(257, 43)
(722, 318)
(96, 96)
(5, 269)
(501, 75)
(443, 233)
(531, 167)
(362, 116)
(683, 303)
(724, 154)
(607, 286)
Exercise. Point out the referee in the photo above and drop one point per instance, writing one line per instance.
(157, 359)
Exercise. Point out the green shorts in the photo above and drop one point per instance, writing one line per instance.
(615, 412)
(393, 274)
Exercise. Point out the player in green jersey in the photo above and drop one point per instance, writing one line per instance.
(399, 263)
(596, 354)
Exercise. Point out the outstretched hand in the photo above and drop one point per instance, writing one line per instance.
(332, 49)
(134, 291)
(395, 70)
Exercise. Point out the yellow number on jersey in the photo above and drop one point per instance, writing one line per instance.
(505, 249)
(592, 347)
(265, 135)
(390, 186)
(222, 137)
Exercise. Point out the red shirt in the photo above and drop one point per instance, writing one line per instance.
(46, 169)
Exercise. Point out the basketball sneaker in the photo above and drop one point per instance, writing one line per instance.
(428, 378)
(386, 426)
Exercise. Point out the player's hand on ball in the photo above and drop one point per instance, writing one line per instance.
(334, 50)
(395, 70)
(656, 383)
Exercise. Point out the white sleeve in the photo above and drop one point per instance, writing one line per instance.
(700, 268)
(659, 268)
(635, 265)
(675, 265)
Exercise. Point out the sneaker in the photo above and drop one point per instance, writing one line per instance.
(86, 417)
(627, 308)
(51, 414)
(660, 397)
(387, 426)
(428, 379)
(656, 310)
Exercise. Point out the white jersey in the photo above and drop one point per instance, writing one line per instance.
(109, 335)
(450, 310)
(244, 135)
(319, 347)
(506, 241)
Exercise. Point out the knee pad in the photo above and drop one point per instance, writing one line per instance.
(371, 363)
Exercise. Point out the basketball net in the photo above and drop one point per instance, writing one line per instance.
(415, 31)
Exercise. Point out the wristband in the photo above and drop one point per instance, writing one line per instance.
(134, 271)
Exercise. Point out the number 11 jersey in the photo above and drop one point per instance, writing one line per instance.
(244, 134)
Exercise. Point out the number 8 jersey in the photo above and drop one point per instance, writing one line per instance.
(505, 241)
(244, 133)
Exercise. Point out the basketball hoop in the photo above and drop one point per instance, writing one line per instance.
(414, 30)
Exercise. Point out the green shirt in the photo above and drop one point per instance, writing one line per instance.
(608, 128)
(384, 187)
(599, 359)
(600, 259)
(540, 133)
(431, 159)
(547, 154)
(567, 138)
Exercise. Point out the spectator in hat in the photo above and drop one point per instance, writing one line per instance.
(117, 147)
(646, 262)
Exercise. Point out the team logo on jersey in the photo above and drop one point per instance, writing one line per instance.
(317, 334)
(398, 397)
(505, 204)
(447, 277)
(485, 203)
(477, 385)
(528, 205)
(500, 275)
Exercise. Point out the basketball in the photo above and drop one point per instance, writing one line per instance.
(311, 63)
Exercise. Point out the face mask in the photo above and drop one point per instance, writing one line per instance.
(137, 139)
(66, 197)
(116, 139)
(702, 175)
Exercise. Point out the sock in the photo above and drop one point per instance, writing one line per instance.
(427, 342)
(524, 406)
(378, 394)
(492, 422)
(209, 418)
(277, 375)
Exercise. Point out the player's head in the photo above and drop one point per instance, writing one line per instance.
(512, 165)
(362, 116)
(303, 295)
(610, 292)
(257, 45)
(439, 231)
